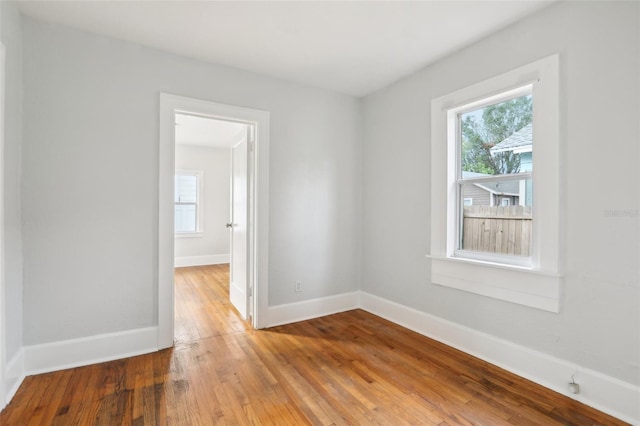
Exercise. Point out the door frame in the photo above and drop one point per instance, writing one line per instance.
(259, 205)
(3, 319)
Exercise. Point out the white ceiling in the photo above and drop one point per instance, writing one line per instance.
(353, 47)
(201, 131)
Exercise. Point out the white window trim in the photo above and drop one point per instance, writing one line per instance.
(199, 205)
(539, 284)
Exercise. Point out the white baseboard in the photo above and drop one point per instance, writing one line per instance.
(605, 393)
(308, 309)
(15, 373)
(89, 350)
(209, 259)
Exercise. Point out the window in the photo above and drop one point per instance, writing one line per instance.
(468, 202)
(188, 205)
(505, 244)
(492, 136)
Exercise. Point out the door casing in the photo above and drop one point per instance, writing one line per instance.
(3, 330)
(258, 200)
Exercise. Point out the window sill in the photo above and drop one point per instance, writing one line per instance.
(516, 284)
(199, 234)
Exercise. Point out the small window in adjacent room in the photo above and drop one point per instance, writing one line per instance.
(188, 206)
(495, 220)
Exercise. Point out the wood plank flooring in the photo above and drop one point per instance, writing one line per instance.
(351, 368)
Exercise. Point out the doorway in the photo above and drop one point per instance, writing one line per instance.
(256, 122)
(212, 188)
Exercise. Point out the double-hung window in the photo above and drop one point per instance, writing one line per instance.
(493, 151)
(188, 203)
(495, 222)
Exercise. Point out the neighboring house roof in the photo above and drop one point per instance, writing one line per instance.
(509, 187)
(519, 142)
(467, 175)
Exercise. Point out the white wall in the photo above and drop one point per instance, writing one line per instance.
(599, 322)
(12, 40)
(90, 180)
(213, 244)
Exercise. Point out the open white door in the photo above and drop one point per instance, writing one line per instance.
(238, 226)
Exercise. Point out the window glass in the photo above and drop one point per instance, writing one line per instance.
(498, 139)
(186, 203)
(495, 161)
(504, 227)
(186, 189)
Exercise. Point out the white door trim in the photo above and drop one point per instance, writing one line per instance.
(258, 267)
(3, 319)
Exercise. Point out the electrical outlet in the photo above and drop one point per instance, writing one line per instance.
(574, 388)
(298, 286)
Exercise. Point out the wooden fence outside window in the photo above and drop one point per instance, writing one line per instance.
(497, 229)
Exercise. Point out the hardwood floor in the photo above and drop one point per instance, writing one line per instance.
(350, 368)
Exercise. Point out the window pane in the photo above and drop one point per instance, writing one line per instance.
(185, 218)
(186, 189)
(499, 219)
(498, 139)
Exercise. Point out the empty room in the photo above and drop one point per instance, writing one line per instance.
(320, 212)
